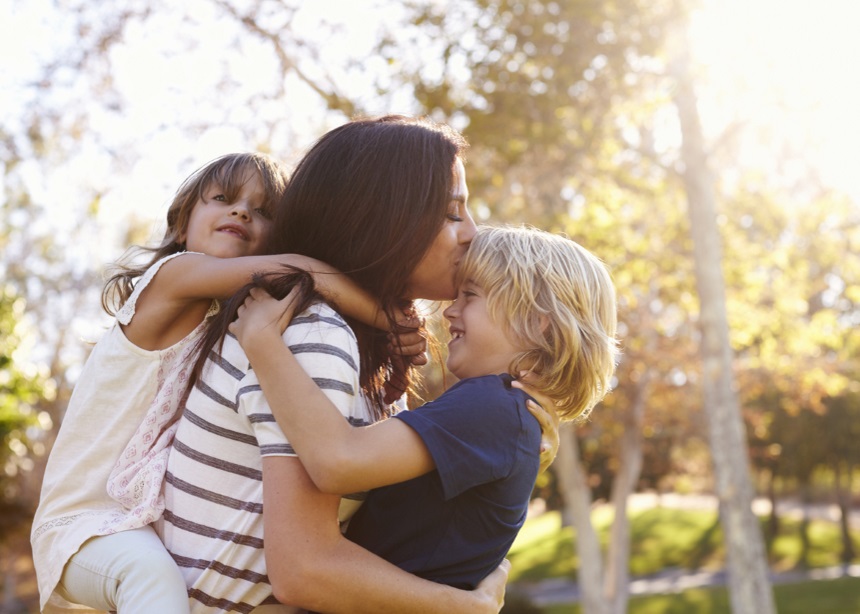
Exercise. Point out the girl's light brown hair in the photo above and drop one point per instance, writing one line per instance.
(229, 172)
(554, 298)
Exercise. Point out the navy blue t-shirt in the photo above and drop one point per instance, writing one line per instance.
(454, 525)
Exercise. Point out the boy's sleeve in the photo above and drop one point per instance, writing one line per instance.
(326, 348)
(474, 433)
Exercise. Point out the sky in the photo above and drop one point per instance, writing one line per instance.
(791, 59)
(757, 59)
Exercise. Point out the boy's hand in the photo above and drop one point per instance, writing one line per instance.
(548, 419)
(262, 316)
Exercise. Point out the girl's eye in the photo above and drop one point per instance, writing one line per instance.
(264, 213)
(468, 293)
(220, 198)
(454, 217)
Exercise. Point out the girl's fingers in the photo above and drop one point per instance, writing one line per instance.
(407, 350)
(419, 360)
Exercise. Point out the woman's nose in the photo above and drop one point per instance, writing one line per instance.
(468, 229)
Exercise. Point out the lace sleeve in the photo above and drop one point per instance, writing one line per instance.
(126, 312)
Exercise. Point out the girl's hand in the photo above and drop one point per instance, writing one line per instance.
(409, 340)
(261, 316)
(407, 346)
(548, 419)
(492, 588)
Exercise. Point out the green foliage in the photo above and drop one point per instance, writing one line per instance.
(21, 388)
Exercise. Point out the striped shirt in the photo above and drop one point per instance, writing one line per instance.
(213, 523)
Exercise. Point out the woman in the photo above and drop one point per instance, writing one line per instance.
(384, 200)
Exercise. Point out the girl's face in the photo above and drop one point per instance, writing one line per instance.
(433, 278)
(225, 229)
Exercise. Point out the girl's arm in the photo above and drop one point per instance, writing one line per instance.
(339, 458)
(198, 276)
(179, 296)
(312, 565)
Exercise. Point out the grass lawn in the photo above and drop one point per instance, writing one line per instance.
(822, 597)
(662, 538)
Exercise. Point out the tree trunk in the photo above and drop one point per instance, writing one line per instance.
(749, 587)
(843, 499)
(773, 519)
(616, 587)
(577, 499)
(805, 503)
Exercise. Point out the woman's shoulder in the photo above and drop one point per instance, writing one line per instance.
(322, 315)
(321, 325)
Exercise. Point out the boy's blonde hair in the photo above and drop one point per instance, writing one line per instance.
(556, 298)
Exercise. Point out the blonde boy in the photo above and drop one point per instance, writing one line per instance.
(452, 479)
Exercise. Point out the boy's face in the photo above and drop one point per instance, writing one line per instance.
(478, 346)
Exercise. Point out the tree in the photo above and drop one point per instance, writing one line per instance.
(749, 587)
(21, 388)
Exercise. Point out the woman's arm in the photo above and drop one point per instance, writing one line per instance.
(311, 565)
(339, 458)
(547, 418)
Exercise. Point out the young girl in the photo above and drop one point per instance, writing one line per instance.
(453, 478)
(92, 543)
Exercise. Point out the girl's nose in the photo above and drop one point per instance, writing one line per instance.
(241, 210)
(450, 311)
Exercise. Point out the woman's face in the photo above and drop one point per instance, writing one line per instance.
(433, 278)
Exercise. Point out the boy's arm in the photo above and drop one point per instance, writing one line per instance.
(339, 457)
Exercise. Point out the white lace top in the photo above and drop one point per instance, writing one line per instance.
(107, 465)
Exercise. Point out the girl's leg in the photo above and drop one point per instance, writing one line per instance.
(129, 572)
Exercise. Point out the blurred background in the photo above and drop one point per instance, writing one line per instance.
(702, 148)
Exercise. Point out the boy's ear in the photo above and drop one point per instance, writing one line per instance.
(544, 323)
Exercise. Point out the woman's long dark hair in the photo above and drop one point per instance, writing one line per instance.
(369, 198)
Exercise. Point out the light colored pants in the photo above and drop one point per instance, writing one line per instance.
(129, 572)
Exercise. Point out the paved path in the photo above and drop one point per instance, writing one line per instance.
(556, 591)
